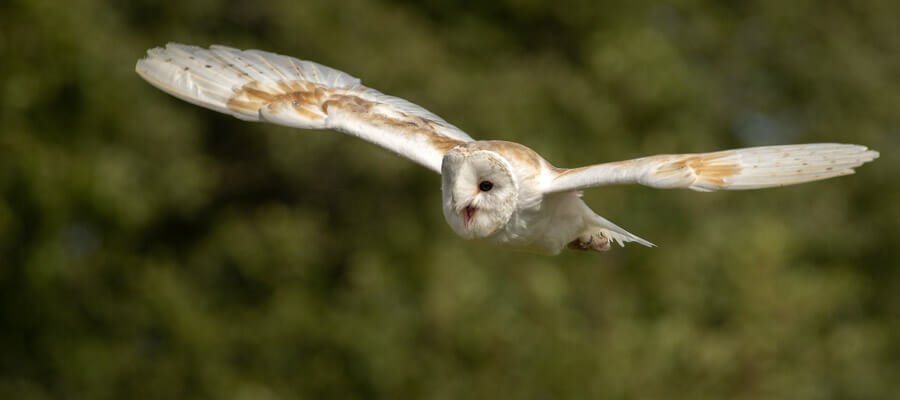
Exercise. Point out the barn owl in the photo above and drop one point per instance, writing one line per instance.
(491, 190)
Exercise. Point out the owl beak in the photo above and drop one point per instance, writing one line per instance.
(468, 215)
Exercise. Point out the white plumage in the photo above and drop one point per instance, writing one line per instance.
(749, 168)
(493, 190)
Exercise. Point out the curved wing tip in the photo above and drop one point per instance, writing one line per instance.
(143, 68)
(152, 53)
(865, 150)
(872, 154)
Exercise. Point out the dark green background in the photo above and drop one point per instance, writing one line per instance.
(154, 249)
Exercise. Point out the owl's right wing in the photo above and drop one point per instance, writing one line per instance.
(747, 168)
(256, 85)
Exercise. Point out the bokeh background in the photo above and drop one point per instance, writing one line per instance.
(153, 249)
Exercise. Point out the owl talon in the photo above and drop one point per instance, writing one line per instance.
(595, 242)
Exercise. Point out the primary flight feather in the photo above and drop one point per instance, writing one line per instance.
(496, 190)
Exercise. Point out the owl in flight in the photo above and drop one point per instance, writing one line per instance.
(495, 190)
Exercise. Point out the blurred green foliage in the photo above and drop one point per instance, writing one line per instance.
(154, 249)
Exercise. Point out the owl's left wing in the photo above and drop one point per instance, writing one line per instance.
(256, 85)
(747, 168)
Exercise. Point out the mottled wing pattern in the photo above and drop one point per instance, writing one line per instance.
(256, 85)
(748, 168)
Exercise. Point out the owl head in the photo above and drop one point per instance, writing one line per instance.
(479, 191)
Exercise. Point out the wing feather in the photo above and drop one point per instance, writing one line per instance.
(257, 85)
(749, 168)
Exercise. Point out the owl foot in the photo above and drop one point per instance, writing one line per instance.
(596, 242)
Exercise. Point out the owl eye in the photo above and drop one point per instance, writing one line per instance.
(485, 186)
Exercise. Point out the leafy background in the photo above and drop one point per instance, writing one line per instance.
(153, 249)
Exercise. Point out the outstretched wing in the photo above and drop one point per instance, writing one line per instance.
(261, 86)
(749, 168)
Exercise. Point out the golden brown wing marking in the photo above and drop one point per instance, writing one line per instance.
(314, 101)
(711, 168)
(304, 97)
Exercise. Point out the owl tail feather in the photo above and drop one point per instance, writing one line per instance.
(617, 234)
